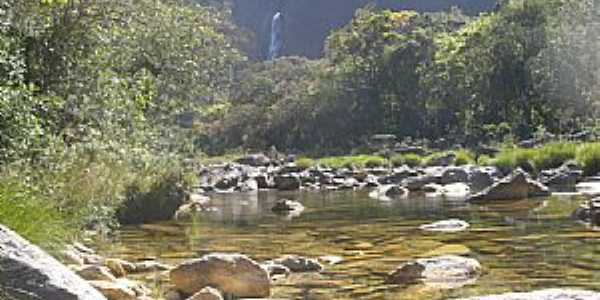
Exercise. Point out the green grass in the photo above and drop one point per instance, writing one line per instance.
(37, 220)
(305, 163)
(464, 157)
(411, 160)
(588, 157)
(358, 161)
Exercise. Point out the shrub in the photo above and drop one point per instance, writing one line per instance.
(305, 163)
(553, 155)
(24, 211)
(375, 162)
(411, 160)
(588, 156)
(359, 161)
(485, 160)
(512, 158)
(464, 157)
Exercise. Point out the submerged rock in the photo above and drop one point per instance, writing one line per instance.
(451, 225)
(234, 274)
(444, 272)
(299, 264)
(516, 186)
(549, 294)
(286, 206)
(27, 272)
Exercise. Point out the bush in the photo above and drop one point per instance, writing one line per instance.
(588, 156)
(411, 160)
(375, 162)
(553, 155)
(464, 157)
(359, 161)
(512, 158)
(305, 163)
(39, 221)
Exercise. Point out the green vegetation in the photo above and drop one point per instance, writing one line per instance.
(411, 160)
(305, 162)
(104, 103)
(464, 157)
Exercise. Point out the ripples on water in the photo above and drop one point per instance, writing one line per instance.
(522, 245)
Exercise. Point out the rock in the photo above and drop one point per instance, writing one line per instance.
(516, 186)
(331, 259)
(264, 181)
(172, 295)
(149, 266)
(287, 182)
(481, 177)
(91, 272)
(589, 212)
(443, 272)
(114, 290)
(563, 176)
(418, 182)
(548, 294)
(27, 272)
(72, 257)
(455, 191)
(227, 182)
(233, 274)
(454, 175)
(299, 264)
(119, 267)
(284, 206)
(249, 185)
(207, 293)
(388, 192)
(254, 160)
(451, 225)
(275, 269)
(444, 160)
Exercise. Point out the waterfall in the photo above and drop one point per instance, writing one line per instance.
(276, 36)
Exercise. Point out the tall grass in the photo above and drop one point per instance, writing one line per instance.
(410, 159)
(588, 157)
(358, 161)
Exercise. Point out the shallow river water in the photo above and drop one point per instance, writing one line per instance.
(522, 246)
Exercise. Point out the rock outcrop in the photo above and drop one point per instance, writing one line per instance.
(516, 186)
(27, 272)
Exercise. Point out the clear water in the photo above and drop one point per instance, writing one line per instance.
(522, 246)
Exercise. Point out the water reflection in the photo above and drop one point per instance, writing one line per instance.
(521, 245)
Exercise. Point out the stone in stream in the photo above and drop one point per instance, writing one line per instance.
(548, 294)
(234, 274)
(121, 289)
(27, 272)
(589, 212)
(299, 264)
(92, 272)
(207, 293)
(567, 175)
(451, 225)
(389, 192)
(286, 206)
(443, 272)
(287, 182)
(516, 186)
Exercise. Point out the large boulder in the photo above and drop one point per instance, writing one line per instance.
(443, 272)
(549, 294)
(454, 175)
(418, 182)
(233, 274)
(566, 175)
(516, 186)
(287, 182)
(481, 178)
(28, 273)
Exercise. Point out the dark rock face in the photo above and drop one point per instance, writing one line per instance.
(28, 273)
(514, 187)
(307, 23)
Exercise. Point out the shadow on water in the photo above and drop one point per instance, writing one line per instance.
(522, 245)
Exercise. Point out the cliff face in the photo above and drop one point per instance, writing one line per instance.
(308, 22)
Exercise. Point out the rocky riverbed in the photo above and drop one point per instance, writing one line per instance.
(254, 231)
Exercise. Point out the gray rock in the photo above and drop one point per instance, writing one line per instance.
(299, 264)
(234, 274)
(549, 294)
(566, 175)
(389, 192)
(287, 182)
(444, 272)
(451, 225)
(481, 178)
(516, 186)
(27, 272)
(254, 160)
(287, 206)
(454, 175)
(417, 183)
(207, 293)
